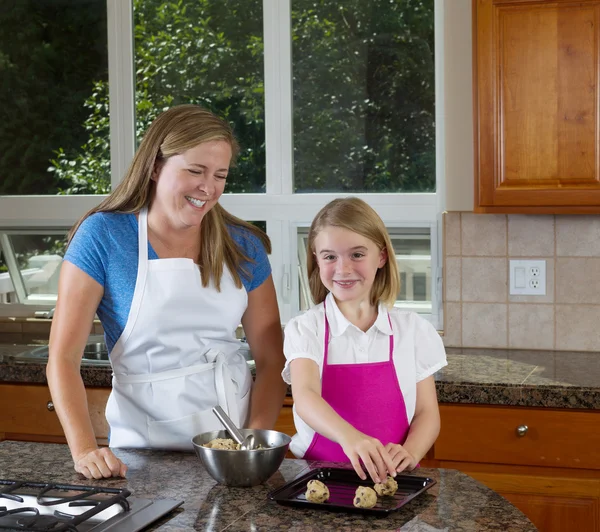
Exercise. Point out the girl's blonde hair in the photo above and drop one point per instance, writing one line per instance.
(172, 133)
(359, 217)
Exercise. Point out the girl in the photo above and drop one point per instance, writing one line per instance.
(361, 370)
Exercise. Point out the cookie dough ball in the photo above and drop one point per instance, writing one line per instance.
(223, 443)
(316, 491)
(387, 488)
(365, 497)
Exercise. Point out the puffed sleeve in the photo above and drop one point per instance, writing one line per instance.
(430, 354)
(301, 340)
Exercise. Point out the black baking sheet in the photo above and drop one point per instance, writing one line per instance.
(342, 484)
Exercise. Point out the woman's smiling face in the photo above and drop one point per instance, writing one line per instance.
(188, 185)
(348, 263)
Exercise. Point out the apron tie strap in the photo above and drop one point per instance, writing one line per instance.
(225, 383)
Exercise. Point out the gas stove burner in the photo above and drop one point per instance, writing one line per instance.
(53, 507)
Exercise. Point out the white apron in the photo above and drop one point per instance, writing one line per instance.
(177, 356)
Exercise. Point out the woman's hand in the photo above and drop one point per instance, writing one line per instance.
(375, 458)
(401, 458)
(99, 463)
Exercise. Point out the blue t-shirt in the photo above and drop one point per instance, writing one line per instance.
(106, 248)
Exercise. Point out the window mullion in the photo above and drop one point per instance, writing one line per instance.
(121, 86)
(278, 95)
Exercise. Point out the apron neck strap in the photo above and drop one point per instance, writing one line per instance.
(143, 236)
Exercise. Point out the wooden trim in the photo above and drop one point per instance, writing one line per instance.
(530, 209)
(475, 103)
(540, 485)
(473, 467)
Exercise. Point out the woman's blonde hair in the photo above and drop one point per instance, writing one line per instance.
(172, 133)
(359, 217)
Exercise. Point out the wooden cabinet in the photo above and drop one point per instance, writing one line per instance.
(285, 421)
(27, 413)
(536, 106)
(545, 461)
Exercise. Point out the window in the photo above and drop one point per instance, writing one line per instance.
(54, 77)
(413, 256)
(30, 269)
(327, 99)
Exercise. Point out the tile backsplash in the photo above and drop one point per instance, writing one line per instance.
(478, 310)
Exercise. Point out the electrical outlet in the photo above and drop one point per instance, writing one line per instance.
(527, 277)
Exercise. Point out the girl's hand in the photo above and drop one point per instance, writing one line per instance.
(99, 463)
(401, 458)
(375, 458)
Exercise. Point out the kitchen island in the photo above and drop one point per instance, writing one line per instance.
(455, 502)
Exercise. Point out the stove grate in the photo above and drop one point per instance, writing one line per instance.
(28, 518)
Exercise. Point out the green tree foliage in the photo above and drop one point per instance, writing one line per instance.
(50, 53)
(364, 95)
(363, 91)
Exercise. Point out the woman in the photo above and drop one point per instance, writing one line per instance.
(171, 275)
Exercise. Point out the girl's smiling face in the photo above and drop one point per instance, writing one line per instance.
(188, 185)
(348, 263)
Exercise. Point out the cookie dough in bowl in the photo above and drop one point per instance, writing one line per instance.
(223, 443)
(365, 497)
(316, 491)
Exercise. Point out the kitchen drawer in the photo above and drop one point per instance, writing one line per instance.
(552, 438)
(24, 409)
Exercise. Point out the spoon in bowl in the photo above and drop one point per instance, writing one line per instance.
(246, 444)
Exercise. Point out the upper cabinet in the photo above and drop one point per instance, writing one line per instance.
(536, 106)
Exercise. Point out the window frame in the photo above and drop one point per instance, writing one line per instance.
(283, 210)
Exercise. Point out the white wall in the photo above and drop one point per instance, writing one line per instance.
(458, 103)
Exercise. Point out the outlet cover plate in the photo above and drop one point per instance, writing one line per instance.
(527, 277)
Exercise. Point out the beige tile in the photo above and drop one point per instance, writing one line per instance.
(484, 325)
(530, 236)
(10, 326)
(452, 233)
(577, 280)
(530, 326)
(484, 280)
(483, 234)
(452, 279)
(577, 236)
(97, 328)
(452, 325)
(577, 327)
(549, 297)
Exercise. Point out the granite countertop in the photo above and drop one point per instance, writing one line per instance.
(455, 502)
(552, 379)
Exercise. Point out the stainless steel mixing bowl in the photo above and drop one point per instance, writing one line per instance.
(243, 468)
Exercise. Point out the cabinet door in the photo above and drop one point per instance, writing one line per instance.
(537, 112)
(285, 421)
(553, 504)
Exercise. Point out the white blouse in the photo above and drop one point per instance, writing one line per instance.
(418, 351)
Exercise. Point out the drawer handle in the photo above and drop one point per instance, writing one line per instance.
(522, 430)
(50, 406)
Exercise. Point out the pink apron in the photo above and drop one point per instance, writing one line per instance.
(367, 396)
